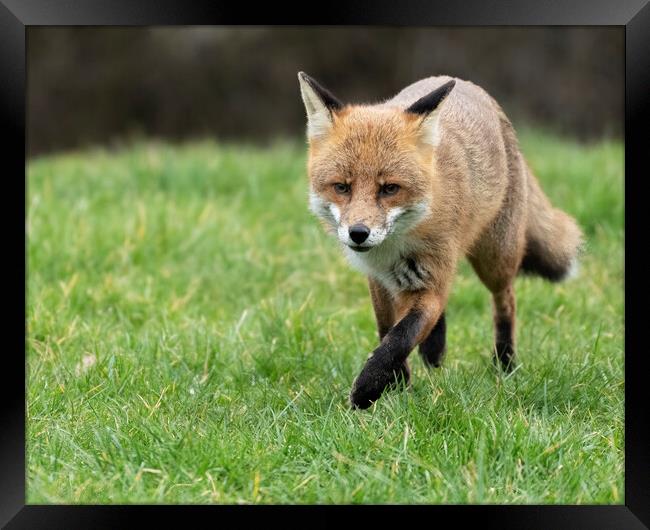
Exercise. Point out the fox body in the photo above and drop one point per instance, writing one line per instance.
(411, 185)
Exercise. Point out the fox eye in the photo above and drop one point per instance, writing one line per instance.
(341, 188)
(389, 189)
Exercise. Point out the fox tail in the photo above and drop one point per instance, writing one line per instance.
(553, 238)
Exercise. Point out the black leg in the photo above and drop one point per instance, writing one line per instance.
(387, 366)
(432, 349)
(404, 375)
(504, 348)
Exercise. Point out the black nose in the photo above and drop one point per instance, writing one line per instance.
(359, 233)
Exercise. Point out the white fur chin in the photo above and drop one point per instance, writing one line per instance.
(381, 260)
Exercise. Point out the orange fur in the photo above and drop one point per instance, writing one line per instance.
(464, 190)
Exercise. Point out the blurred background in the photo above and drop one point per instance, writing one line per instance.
(89, 86)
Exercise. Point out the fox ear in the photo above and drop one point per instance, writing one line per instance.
(319, 103)
(429, 108)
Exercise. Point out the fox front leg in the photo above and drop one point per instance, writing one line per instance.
(382, 303)
(386, 365)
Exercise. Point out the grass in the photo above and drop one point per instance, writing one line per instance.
(193, 335)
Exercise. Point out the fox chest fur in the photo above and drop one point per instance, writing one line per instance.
(397, 265)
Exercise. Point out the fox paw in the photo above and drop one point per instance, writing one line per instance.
(373, 380)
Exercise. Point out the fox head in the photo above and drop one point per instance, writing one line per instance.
(370, 166)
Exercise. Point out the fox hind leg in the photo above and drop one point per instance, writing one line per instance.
(499, 279)
(504, 312)
(496, 260)
(504, 326)
(432, 349)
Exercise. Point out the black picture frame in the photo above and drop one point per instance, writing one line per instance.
(17, 15)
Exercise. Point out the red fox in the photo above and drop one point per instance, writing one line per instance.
(410, 186)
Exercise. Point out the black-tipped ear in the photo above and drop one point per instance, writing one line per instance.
(430, 102)
(327, 98)
(320, 105)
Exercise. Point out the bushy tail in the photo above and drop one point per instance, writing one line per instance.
(553, 238)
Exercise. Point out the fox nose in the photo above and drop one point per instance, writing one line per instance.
(359, 233)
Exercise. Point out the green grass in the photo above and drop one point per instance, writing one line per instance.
(193, 335)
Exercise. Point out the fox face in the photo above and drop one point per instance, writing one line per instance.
(367, 181)
(369, 166)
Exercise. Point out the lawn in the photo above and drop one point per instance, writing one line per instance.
(193, 336)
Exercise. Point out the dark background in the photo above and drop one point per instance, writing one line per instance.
(89, 86)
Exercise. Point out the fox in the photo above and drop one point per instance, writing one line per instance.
(411, 185)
